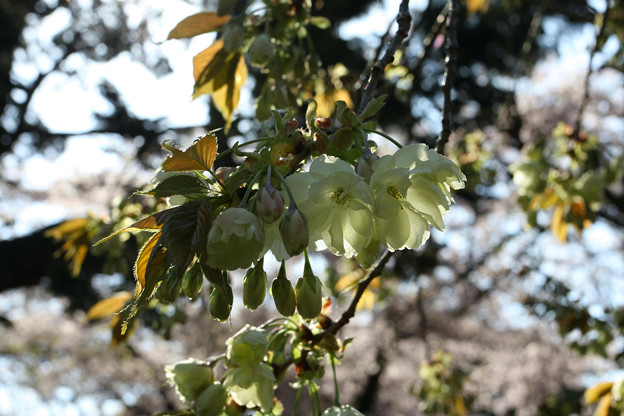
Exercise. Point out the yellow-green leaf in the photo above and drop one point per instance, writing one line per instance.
(197, 24)
(594, 393)
(109, 306)
(204, 58)
(604, 406)
(226, 97)
(200, 156)
(67, 228)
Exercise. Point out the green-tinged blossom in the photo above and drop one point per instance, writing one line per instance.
(220, 305)
(309, 291)
(294, 231)
(193, 282)
(344, 410)
(189, 377)
(211, 401)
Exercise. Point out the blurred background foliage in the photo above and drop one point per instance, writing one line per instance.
(521, 296)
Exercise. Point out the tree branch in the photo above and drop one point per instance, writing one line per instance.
(449, 73)
(404, 20)
(585, 99)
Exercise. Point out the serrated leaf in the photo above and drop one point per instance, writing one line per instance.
(179, 185)
(372, 108)
(121, 330)
(199, 156)
(185, 232)
(152, 223)
(109, 306)
(140, 266)
(221, 75)
(197, 24)
(594, 393)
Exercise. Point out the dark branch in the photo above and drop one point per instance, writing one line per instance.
(361, 287)
(404, 19)
(585, 99)
(449, 74)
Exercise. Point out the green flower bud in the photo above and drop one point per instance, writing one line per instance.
(189, 377)
(169, 289)
(233, 37)
(309, 293)
(269, 204)
(211, 401)
(225, 7)
(254, 287)
(193, 281)
(344, 410)
(261, 50)
(247, 347)
(220, 305)
(283, 293)
(294, 231)
(235, 239)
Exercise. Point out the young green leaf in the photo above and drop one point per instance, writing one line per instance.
(185, 185)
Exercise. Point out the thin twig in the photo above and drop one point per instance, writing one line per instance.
(361, 287)
(428, 42)
(404, 20)
(449, 73)
(585, 99)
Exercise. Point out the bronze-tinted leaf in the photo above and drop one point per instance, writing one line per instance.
(204, 58)
(200, 156)
(197, 24)
(189, 186)
(109, 306)
(152, 223)
(140, 266)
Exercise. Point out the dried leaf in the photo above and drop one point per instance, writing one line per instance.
(200, 156)
(109, 306)
(197, 24)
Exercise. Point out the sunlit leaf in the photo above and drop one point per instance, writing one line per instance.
(199, 156)
(327, 101)
(76, 235)
(594, 393)
(109, 306)
(152, 223)
(221, 75)
(604, 406)
(140, 266)
(460, 406)
(197, 24)
(121, 330)
(474, 6)
(559, 226)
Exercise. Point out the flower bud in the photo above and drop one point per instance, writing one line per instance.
(233, 37)
(220, 305)
(193, 281)
(225, 7)
(211, 401)
(254, 287)
(283, 293)
(261, 50)
(235, 240)
(364, 166)
(309, 291)
(269, 204)
(169, 289)
(294, 231)
(190, 377)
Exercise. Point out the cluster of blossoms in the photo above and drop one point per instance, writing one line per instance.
(389, 201)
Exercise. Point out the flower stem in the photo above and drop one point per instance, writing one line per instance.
(384, 135)
(332, 359)
(248, 191)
